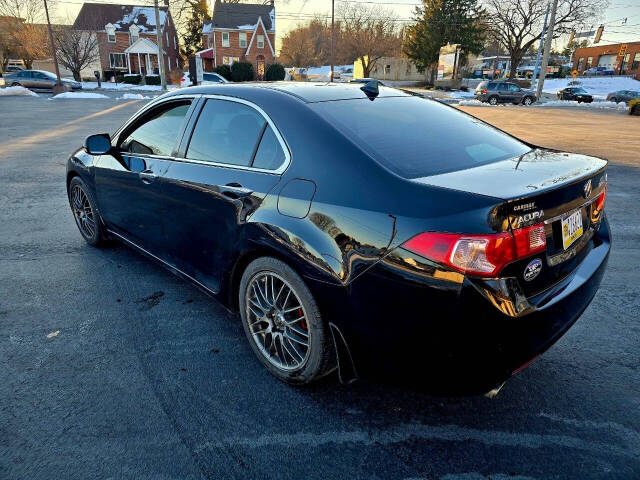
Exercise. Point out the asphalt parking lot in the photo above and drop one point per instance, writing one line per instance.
(114, 368)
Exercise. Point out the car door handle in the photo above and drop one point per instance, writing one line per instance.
(147, 176)
(235, 190)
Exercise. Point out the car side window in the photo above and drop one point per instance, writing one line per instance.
(158, 133)
(514, 88)
(269, 155)
(226, 132)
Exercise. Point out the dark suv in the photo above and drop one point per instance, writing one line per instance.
(495, 92)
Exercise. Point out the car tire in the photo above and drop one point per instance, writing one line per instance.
(527, 101)
(493, 100)
(614, 99)
(15, 84)
(85, 212)
(264, 308)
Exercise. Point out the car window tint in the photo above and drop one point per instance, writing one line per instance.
(269, 155)
(226, 132)
(416, 137)
(492, 86)
(210, 77)
(514, 88)
(158, 134)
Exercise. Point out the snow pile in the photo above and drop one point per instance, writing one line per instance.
(599, 87)
(472, 103)
(459, 94)
(17, 91)
(596, 105)
(79, 95)
(132, 96)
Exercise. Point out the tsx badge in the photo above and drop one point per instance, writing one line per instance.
(532, 270)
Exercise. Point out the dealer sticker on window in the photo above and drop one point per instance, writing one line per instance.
(571, 229)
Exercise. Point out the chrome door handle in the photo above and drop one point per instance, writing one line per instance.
(147, 176)
(235, 190)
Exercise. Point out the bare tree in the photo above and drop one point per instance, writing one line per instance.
(307, 45)
(76, 49)
(367, 34)
(517, 24)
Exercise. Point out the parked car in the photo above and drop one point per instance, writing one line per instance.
(598, 71)
(13, 68)
(207, 78)
(623, 96)
(578, 94)
(427, 243)
(494, 92)
(365, 80)
(38, 80)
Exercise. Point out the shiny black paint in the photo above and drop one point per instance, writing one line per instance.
(339, 218)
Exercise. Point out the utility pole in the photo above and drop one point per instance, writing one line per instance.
(536, 69)
(163, 80)
(547, 47)
(58, 87)
(332, 37)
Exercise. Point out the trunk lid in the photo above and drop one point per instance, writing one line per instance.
(542, 186)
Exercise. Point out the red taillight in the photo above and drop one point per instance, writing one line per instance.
(484, 91)
(601, 199)
(481, 255)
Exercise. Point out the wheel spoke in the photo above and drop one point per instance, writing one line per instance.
(289, 310)
(299, 332)
(301, 342)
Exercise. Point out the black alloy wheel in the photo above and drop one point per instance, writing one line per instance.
(85, 212)
(493, 100)
(527, 101)
(283, 324)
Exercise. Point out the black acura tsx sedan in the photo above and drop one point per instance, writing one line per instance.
(357, 228)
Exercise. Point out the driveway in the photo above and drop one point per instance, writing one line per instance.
(114, 368)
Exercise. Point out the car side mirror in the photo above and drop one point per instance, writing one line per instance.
(97, 144)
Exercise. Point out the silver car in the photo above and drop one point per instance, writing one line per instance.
(623, 96)
(37, 80)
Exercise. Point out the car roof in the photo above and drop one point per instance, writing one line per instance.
(305, 91)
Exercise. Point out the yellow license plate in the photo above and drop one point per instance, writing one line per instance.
(571, 229)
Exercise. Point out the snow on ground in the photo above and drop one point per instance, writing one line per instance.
(124, 86)
(459, 94)
(132, 96)
(588, 106)
(78, 95)
(17, 91)
(473, 103)
(599, 87)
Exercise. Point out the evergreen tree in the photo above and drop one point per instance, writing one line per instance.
(198, 14)
(438, 22)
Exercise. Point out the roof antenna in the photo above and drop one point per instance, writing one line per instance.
(371, 89)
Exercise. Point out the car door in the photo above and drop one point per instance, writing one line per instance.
(41, 81)
(128, 189)
(27, 80)
(232, 156)
(503, 91)
(515, 93)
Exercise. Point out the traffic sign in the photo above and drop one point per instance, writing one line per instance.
(574, 73)
(623, 50)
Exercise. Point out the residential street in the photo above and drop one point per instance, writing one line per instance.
(115, 368)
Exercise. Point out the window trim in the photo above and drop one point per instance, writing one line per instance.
(283, 144)
(258, 41)
(228, 42)
(240, 38)
(124, 55)
(184, 137)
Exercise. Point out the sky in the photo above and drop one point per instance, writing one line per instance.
(290, 13)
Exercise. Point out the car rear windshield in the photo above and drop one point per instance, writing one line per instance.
(415, 137)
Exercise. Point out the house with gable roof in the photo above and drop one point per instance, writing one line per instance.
(127, 40)
(240, 32)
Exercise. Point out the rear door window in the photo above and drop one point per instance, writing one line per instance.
(416, 137)
(492, 86)
(233, 133)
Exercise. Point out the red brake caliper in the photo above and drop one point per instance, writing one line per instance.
(304, 320)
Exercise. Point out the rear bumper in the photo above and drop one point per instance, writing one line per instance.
(444, 332)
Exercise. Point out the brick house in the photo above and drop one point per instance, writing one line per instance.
(127, 38)
(607, 56)
(239, 32)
